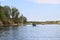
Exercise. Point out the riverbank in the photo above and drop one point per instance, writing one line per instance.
(32, 22)
(11, 24)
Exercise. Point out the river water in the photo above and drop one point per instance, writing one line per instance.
(39, 32)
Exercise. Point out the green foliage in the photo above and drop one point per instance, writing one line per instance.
(6, 12)
(23, 19)
(15, 13)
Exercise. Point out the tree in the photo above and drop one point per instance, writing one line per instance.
(3, 17)
(4, 14)
(15, 13)
(23, 19)
(7, 11)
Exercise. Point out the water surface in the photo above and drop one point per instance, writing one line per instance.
(39, 32)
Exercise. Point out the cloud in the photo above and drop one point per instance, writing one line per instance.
(46, 1)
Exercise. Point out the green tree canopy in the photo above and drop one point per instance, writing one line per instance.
(6, 12)
(15, 13)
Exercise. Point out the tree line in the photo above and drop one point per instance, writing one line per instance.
(11, 15)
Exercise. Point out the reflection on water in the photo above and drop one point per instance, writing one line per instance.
(8, 33)
(45, 32)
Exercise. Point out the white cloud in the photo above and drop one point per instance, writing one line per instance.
(46, 1)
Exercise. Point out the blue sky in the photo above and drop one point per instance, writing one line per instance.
(36, 10)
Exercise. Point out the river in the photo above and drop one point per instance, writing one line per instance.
(39, 32)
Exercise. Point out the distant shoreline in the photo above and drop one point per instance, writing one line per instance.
(44, 23)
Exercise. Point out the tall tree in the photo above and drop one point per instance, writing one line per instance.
(23, 19)
(7, 11)
(2, 14)
(15, 13)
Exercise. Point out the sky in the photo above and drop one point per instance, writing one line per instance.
(36, 10)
